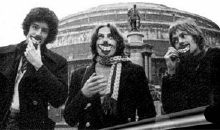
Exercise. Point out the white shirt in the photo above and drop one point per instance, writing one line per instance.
(15, 102)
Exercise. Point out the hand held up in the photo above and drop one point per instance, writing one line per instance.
(172, 59)
(94, 85)
(33, 54)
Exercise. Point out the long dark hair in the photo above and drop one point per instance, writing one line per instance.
(41, 14)
(189, 25)
(120, 45)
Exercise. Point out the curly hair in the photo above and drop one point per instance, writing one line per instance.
(189, 25)
(41, 14)
(120, 45)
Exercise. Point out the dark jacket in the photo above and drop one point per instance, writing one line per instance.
(195, 84)
(36, 88)
(133, 94)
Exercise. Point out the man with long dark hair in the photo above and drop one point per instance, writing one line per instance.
(112, 90)
(35, 75)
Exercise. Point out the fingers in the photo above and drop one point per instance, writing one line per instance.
(94, 78)
(98, 86)
(171, 52)
(94, 84)
(30, 43)
(94, 74)
(102, 90)
(172, 58)
(33, 44)
(31, 47)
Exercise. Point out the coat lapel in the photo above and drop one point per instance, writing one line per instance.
(9, 65)
(29, 71)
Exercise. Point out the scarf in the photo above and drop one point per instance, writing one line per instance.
(109, 105)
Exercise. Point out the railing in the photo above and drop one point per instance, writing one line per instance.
(188, 119)
(193, 118)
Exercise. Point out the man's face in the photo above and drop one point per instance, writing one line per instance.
(182, 40)
(106, 44)
(38, 32)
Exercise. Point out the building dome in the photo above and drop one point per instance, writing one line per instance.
(75, 29)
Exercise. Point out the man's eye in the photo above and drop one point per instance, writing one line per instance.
(45, 31)
(175, 41)
(34, 27)
(100, 36)
(182, 35)
(110, 37)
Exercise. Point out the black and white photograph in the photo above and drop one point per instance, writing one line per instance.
(87, 65)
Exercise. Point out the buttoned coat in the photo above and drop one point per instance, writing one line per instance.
(36, 88)
(134, 96)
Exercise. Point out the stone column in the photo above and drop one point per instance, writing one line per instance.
(147, 59)
(140, 52)
(135, 41)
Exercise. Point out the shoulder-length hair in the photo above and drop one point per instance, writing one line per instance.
(120, 45)
(41, 14)
(188, 25)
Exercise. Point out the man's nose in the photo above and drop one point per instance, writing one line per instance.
(181, 41)
(38, 32)
(105, 39)
(105, 42)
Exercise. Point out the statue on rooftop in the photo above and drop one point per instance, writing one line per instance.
(134, 19)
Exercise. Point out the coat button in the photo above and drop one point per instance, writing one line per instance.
(88, 124)
(87, 106)
(35, 102)
(129, 119)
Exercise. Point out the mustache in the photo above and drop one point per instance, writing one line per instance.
(39, 38)
(105, 43)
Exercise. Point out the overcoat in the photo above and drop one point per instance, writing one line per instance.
(195, 84)
(134, 96)
(37, 89)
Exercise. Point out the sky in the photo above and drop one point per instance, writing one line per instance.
(12, 12)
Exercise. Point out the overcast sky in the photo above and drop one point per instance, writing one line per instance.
(12, 12)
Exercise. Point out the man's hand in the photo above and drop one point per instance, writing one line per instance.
(33, 54)
(172, 58)
(93, 85)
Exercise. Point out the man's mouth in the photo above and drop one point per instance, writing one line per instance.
(105, 48)
(36, 39)
(184, 49)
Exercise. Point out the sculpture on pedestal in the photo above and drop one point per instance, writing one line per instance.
(134, 19)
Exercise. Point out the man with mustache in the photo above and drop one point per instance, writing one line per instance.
(34, 75)
(193, 76)
(112, 90)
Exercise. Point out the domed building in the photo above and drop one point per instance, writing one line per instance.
(73, 40)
